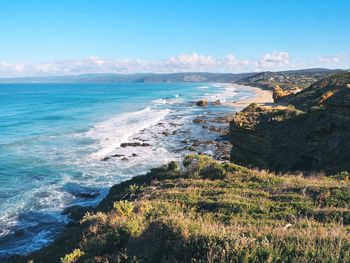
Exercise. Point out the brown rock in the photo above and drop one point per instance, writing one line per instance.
(202, 103)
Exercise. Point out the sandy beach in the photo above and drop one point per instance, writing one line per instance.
(261, 97)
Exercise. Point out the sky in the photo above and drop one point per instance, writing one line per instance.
(62, 37)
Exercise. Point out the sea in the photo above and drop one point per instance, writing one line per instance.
(60, 146)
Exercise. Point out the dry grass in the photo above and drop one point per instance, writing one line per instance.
(211, 212)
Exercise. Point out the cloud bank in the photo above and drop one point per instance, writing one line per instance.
(277, 60)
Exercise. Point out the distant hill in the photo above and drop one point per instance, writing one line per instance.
(144, 77)
(302, 78)
(288, 80)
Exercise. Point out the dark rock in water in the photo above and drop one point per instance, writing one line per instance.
(202, 103)
(165, 133)
(105, 158)
(81, 191)
(134, 144)
(134, 155)
(112, 156)
(217, 129)
(86, 195)
(118, 155)
(125, 159)
(76, 212)
(199, 120)
(217, 102)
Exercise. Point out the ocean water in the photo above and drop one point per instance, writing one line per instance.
(54, 140)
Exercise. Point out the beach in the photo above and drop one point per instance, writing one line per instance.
(261, 97)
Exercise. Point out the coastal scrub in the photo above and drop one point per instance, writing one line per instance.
(208, 211)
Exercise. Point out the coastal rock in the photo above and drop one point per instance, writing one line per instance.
(199, 120)
(224, 119)
(76, 212)
(117, 155)
(105, 158)
(202, 103)
(112, 156)
(279, 93)
(216, 102)
(134, 144)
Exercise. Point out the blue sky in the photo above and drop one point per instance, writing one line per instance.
(77, 36)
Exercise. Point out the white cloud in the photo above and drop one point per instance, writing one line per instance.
(274, 60)
(180, 63)
(231, 61)
(185, 62)
(10, 69)
(189, 62)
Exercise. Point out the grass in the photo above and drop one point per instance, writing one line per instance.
(212, 212)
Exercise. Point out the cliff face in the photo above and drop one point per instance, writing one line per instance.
(314, 138)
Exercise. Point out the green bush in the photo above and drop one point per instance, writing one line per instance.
(72, 257)
(123, 208)
(213, 171)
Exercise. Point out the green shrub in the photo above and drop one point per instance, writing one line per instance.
(123, 208)
(213, 171)
(72, 257)
(173, 166)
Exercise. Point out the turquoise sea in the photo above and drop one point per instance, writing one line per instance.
(54, 140)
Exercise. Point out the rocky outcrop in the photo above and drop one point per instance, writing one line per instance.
(202, 103)
(279, 93)
(134, 144)
(216, 102)
(287, 139)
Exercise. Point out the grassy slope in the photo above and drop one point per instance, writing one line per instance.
(211, 212)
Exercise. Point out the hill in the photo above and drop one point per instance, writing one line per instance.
(145, 77)
(309, 135)
(212, 212)
(267, 80)
(287, 80)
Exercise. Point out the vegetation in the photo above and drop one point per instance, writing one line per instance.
(287, 81)
(205, 211)
(310, 134)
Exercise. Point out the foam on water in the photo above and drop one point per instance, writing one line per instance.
(111, 133)
(48, 167)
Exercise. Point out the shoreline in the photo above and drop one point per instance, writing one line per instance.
(259, 96)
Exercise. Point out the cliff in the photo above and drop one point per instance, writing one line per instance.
(309, 135)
